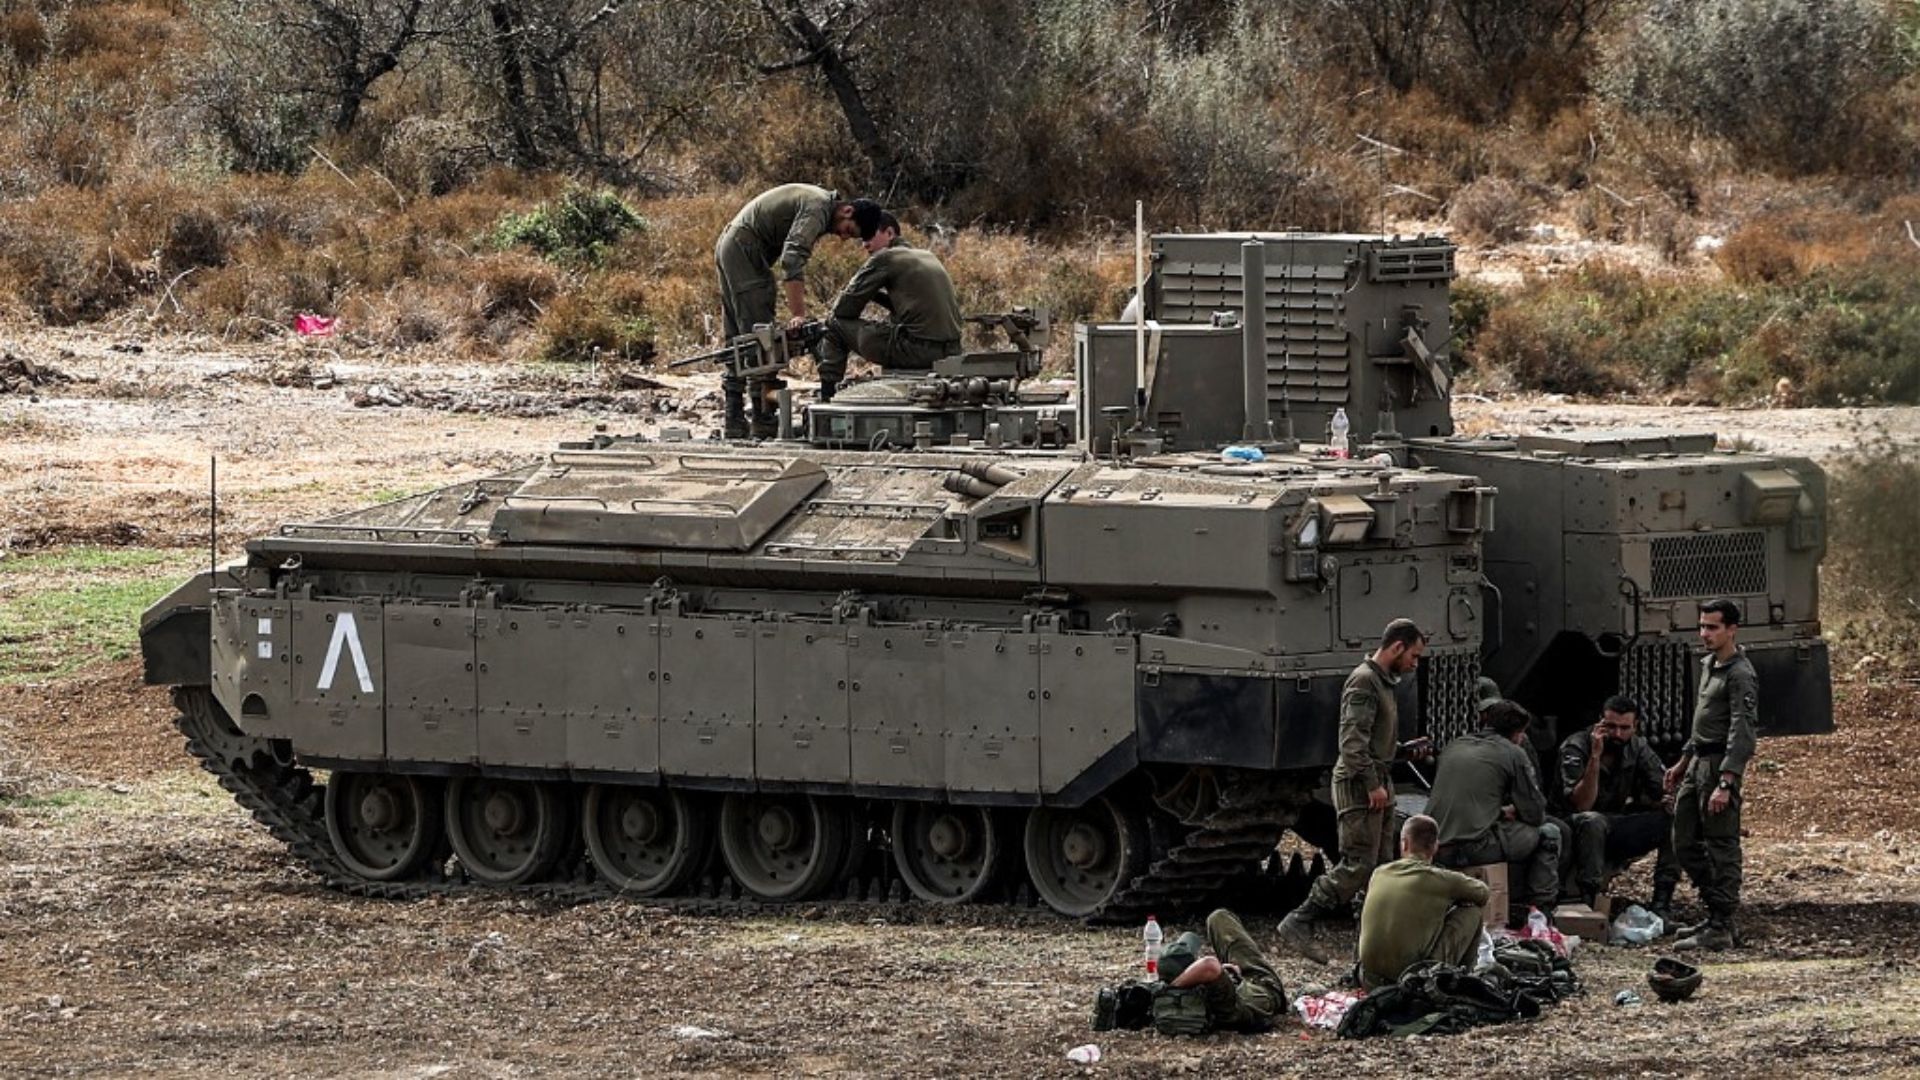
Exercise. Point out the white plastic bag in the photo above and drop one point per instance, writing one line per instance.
(1485, 958)
(1635, 926)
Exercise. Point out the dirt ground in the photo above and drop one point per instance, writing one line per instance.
(147, 926)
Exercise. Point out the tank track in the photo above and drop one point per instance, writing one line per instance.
(1216, 861)
(1226, 858)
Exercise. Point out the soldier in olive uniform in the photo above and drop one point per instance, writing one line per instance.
(1241, 990)
(1706, 779)
(913, 286)
(1487, 799)
(1362, 783)
(1615, 803)
(1416, 911)
(778, 230)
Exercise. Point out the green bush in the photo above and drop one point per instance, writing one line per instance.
(1841, 336)
(576, 228)
(1782, 79)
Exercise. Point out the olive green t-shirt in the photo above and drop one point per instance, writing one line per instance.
(784, 223)
(912, 285)
(1406, 903)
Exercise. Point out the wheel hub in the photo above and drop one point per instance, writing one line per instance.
(1084, 847)
(378, 809)
(777, 828)
(640, 822)
(503, 813)
(947, 837)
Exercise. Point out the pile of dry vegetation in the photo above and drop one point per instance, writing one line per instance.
(545, 177)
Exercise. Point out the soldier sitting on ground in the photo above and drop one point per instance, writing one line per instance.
(909, 283)
(1416, 911)
(1612, 784)
(1487, 801)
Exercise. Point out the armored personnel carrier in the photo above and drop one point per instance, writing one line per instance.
(990, 634)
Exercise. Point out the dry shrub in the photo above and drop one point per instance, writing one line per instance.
(1491, 210)
(24, 40)
(1665, 229)
(513, 286)
(602, 317)
(1871, 577)
(417, 313)
(196, 237)
(432, 155)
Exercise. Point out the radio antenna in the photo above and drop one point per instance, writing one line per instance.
(213, 516)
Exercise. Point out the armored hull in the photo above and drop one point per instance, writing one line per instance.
(1073, 676)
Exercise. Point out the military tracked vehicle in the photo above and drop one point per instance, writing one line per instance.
(984, 633)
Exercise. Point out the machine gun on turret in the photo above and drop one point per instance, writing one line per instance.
(751, 368)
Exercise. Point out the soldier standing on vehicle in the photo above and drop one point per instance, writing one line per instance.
(1487, 799)
(1362, 783)
(777, 230)
(909, 283)
(1706, 780)
(1616, 804)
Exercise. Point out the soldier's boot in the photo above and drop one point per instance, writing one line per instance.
(1296, 933)
(1662, 905)
(733, 390)
(1715, 936)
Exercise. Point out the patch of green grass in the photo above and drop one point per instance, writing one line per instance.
(83, 559)
(65, 799)
(62, 610)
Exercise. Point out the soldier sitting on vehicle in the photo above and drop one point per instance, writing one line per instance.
(1417, 911)
(1612, 793)
(1487, 801)
(909, 283)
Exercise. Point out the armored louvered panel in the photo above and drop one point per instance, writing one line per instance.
(1307, 346)
(1410, 264)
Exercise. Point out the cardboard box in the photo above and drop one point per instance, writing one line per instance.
(1580, 919)
(1495, 875)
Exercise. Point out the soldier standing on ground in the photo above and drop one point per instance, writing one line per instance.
(1487, 800)
(913, 286)
(1706, 779)
(1362, 783)
(1615, 798)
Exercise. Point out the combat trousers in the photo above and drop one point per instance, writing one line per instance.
(884, 343)
(1259, 998)
(1708, 845)
(1532, 850)
(746, 283)
(1605, 842)
(1456, 941)
(1366, 841)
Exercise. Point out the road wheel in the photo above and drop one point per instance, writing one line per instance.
(785, 847)
(384, 826)
(948, 854)
(646, 841)
(506, 832)
(1079, 859)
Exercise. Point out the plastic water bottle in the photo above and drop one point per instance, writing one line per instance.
(1337, 432)
(1152, 937)
(1536, 924)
